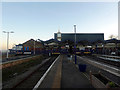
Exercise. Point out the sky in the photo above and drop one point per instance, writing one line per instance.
(40, 20)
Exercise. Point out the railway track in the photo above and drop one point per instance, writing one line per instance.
(115, 63)
(110, 71)
(30, 81)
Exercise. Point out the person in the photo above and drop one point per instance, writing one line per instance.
(70, 50)
(70, 53)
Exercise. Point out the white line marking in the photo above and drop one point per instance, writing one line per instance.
(111, 56)
(45, 74)
(110, 59)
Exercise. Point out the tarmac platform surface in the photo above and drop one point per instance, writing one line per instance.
(65, 74)
(71, 76)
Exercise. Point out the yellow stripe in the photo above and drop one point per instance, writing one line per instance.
(55, 53)
(86, 52)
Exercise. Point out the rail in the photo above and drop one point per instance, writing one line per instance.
(107, 68)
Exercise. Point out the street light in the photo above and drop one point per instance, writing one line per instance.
(75, 44)
(7, 40)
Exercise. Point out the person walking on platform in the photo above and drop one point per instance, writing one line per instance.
(70, 53)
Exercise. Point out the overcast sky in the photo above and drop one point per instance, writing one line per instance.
(40, 20)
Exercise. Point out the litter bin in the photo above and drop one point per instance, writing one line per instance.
(82, 67)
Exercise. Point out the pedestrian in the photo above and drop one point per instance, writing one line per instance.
(70, 53)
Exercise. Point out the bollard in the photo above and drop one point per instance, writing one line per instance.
(90, 76)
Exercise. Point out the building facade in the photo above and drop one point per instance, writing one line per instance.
(90, 37)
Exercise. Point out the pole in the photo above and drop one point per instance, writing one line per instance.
(75, 44)
(34, 47)
(75, 33)
(7, 43)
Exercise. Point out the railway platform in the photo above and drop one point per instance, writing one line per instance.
(71, 76)
(63, 73)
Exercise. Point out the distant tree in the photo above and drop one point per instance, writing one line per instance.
(112, 36)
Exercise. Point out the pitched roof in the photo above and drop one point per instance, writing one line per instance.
(114, 40)
(50, 41)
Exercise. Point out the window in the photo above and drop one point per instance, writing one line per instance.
(25, 48)
(58, 35)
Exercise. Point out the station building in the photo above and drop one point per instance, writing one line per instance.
(90, 37)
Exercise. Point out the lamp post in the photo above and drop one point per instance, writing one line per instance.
(75, 44)
(7, 40)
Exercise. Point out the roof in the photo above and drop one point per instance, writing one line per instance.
(50, 41)
(114, 40)
(38, 43)
(19, 45)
